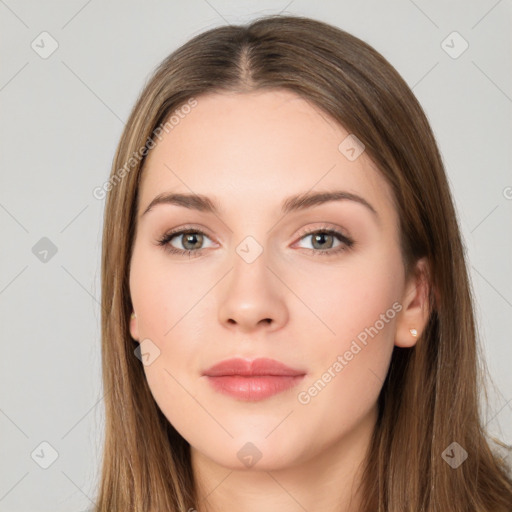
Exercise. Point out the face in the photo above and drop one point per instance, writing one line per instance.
(317, 286)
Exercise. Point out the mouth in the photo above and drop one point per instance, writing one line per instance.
(252, 380)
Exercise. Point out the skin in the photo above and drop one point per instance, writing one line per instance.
(250, 151)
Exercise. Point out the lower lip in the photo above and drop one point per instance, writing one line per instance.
(254, 388)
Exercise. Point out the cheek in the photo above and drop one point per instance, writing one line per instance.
(168, 301)
(162, 298)
(348, 370)
(345, 300)
(161, 294)
(358, 315)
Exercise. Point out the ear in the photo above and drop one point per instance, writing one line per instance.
(134, 328)
(415, 306)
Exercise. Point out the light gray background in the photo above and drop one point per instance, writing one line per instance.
(61, 121)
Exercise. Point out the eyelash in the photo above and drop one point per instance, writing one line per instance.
(347, 243)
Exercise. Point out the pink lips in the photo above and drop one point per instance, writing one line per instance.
(252, 380)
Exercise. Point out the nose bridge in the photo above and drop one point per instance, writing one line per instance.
(251, 294)
(250, 266)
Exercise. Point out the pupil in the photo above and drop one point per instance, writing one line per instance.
(321, 235)
(188, 237)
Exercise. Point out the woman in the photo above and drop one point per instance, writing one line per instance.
(287, 319)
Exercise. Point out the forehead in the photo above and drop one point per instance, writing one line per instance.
(254, 149)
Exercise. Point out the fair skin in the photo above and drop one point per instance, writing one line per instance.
(249, 152)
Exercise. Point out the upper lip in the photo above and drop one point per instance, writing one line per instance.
(255, 367)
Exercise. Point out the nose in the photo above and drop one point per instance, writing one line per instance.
(252, 297)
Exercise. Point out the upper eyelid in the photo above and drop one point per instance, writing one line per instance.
(326, 226)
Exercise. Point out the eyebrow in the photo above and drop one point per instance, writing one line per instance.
(297, 202)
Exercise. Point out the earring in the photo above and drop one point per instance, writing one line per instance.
(133, 315)
(414, 332)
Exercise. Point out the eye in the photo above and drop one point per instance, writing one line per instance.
(323, 241)
(191, 240)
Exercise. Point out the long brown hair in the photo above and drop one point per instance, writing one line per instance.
(430, 396)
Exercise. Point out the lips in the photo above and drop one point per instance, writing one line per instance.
(256, 367)
(252, 380)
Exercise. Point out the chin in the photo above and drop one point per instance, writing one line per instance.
(254, 452)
